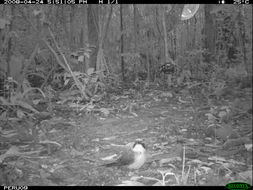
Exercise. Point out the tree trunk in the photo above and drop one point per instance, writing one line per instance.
(170, 20)
(122, 43)
(93, 33)
(107, 26)
(209, 42)
(72, 28)
(136, 35)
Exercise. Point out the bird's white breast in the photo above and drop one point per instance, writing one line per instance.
(138, 162)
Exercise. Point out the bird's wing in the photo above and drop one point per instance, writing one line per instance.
(126, 158)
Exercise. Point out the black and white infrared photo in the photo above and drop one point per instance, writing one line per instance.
(124, 94)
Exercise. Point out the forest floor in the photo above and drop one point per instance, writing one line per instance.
(192, 140)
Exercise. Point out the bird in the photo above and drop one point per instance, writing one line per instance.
(133, 158)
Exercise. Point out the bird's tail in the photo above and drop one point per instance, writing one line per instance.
(110, 164)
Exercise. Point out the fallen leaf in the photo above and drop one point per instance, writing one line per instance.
(206, 169)
(13, 151)
(109, 138)
(105, 111)
(157, 184)
(131, 183)
(248, 147)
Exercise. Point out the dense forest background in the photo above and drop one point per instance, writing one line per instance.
(216, 42)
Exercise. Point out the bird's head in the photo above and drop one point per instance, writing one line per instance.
(139, 148)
